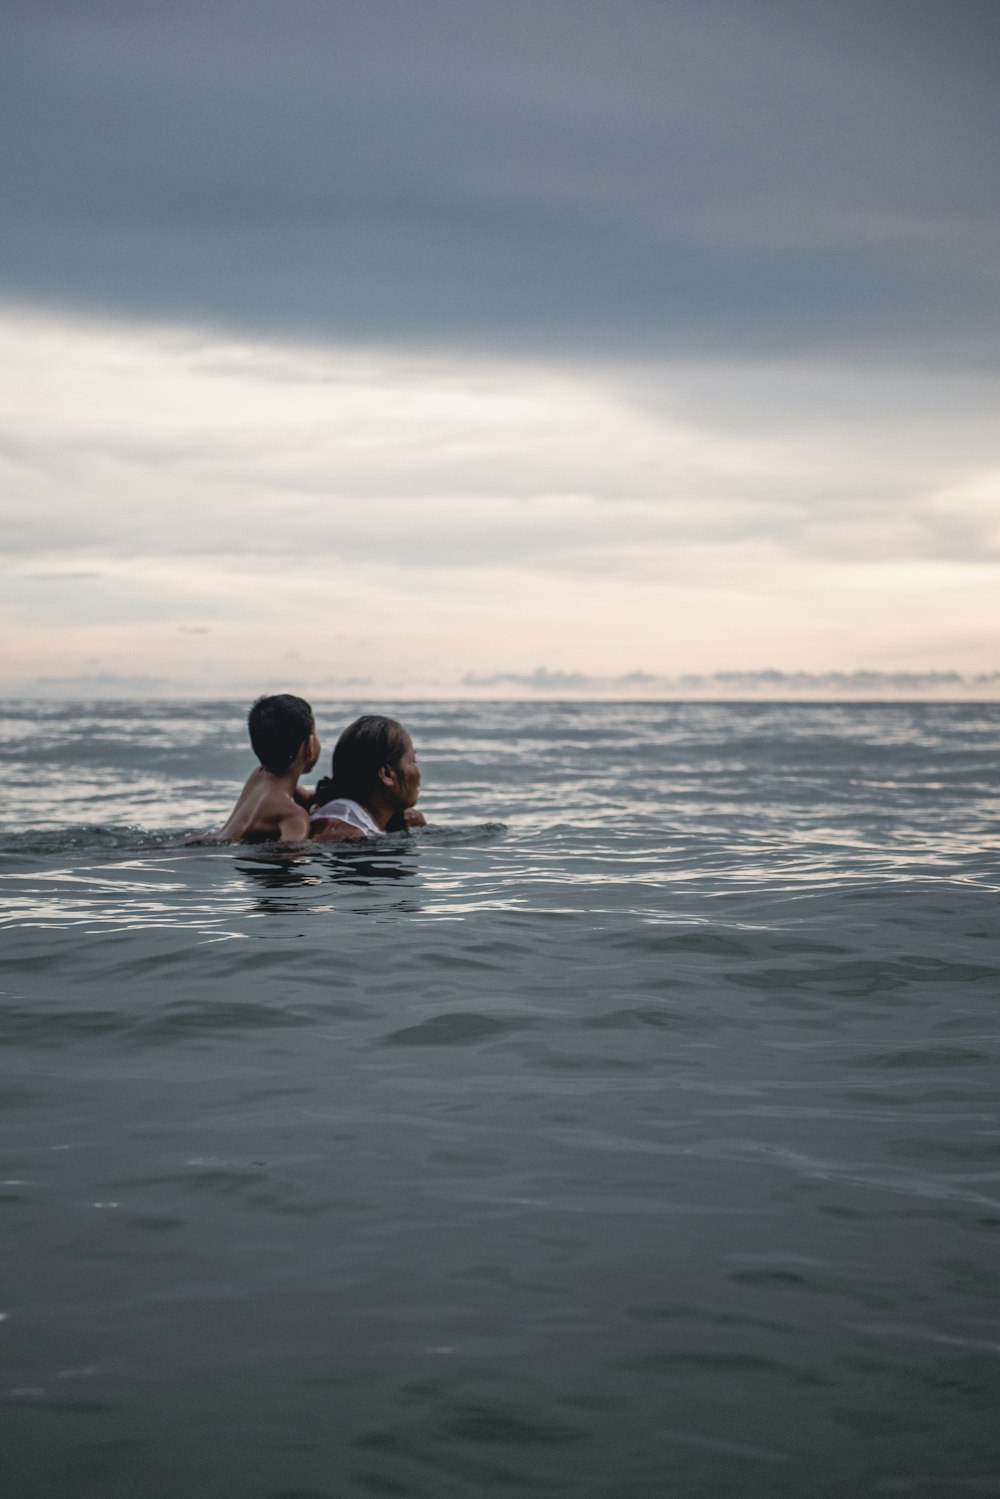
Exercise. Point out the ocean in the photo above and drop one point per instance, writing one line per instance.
(630, 1132)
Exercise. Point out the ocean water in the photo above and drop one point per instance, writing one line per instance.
(630, 1132)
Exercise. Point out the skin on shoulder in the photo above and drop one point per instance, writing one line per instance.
(332, 830)
(295, 827)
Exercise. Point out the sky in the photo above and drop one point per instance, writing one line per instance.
(549, 348)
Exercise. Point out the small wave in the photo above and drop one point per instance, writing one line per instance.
(133, 837)
(457, 1029)
(82, 838)
(441, 836)
(460, 835)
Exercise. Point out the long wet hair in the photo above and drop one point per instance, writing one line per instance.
(359, 754)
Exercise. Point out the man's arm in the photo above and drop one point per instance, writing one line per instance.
(410, 818)
(294, 827)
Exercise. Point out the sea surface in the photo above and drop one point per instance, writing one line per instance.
(631, 1132)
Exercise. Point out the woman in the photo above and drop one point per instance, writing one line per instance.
(373, 784)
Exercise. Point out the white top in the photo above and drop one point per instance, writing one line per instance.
(351, 812)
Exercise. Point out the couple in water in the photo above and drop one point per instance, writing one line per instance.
(372, 787)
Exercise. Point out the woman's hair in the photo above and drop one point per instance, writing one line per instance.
(359, 754)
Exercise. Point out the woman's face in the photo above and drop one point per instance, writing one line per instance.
(407, 776)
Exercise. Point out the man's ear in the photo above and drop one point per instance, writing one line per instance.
(309, 750)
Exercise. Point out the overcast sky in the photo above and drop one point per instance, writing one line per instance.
(426, 344)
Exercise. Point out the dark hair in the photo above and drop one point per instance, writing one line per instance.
(278, 727)
(359, 754)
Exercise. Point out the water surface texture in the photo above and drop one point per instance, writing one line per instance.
(630, 1132)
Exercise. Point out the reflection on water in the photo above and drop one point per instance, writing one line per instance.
(372, 868)
(644, 1143)
(276, 873)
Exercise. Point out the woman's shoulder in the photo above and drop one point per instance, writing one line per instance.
(344, 812)
(334, 806)
(333, 830)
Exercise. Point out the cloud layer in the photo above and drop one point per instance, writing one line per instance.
(769, 179)
(200, 504)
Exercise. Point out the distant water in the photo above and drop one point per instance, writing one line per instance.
(632, 1132)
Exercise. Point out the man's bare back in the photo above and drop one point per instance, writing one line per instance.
(266, 811)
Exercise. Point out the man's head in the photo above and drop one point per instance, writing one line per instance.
(283, 730)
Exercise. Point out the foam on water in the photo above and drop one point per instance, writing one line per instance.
(631, 1130)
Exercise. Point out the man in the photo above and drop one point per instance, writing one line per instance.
(271, 808)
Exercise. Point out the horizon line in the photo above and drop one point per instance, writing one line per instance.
(805, 699)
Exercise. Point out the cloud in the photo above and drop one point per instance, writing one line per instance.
(174, 441)
(633, 686)
(110, 686)
(655, 180)
(100, 685)
(768, 685)
(175, 497)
